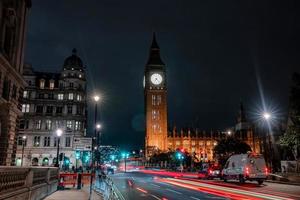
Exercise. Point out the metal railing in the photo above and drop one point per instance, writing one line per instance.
(105, 186)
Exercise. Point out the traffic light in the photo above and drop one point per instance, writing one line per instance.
(61, 155)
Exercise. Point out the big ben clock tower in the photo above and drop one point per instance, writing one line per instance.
(155, 92)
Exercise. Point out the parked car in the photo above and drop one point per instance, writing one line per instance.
(245, 167)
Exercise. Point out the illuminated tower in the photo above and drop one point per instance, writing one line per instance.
(155, 92)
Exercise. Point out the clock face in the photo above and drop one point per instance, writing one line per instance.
(156, 79)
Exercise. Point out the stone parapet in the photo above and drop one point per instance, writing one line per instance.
(27, 183)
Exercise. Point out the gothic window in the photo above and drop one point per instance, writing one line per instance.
(158, 100)
(208, 143)
(193, 143)
(153, 100)
(46, 141)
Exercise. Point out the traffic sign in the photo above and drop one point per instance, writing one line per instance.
(82, 144)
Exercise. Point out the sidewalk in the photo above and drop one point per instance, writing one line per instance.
(73, 194)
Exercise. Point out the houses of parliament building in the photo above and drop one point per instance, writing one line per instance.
(161, 138)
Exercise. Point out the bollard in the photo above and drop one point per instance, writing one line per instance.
(79, 181)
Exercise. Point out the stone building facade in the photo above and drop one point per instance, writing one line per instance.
(13, 20)
(202, 143)
(53, 101)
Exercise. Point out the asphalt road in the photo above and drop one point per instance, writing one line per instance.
(140, 185)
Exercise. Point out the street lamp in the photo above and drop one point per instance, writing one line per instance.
(23, 146)
(125, 156)
(58, 133)
(267, 117)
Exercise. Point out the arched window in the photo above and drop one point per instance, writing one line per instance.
(35, 162)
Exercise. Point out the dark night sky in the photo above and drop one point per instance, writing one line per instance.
(215, 52)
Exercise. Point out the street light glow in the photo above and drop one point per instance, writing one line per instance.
(96, 98)
(98, 126)
(266, 115)
(24, 137)
(229, 132)
(59, 132)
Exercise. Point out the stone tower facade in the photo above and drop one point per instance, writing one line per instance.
(155, 94)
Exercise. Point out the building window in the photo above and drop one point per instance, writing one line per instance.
(24, 124)
(77, 125)
(71, 85)
(201, 143)
(14, 92)
(38, 124)
(70, 109)
(68, 142)
(59, 110)
(61, 85)
(55, 142)
(79, 110)
(158, 100)
(69, 124)
(71, 96)
(46, 141)
(51, 96)
(39, 109)
(51, 84)
(153, 100)
(79, 97)
(20, 141)
(208, 143)
(177, 143)
(41, 96)
(60, 96)
(193, 143)
(25, 94)
(80, 76)
(49, 109)
(42, 83)
(48, 124)
(36, 141)
(25, 108)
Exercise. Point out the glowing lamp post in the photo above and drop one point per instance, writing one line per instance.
(23, 146)
(58, 134)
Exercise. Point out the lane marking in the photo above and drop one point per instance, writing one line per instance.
(154, 185)
(155, 197)
(194, 198)
(173, 191)
(141, 190)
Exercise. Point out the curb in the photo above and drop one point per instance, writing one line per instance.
(284, 183)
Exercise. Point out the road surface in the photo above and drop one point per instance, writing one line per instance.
(143, 185)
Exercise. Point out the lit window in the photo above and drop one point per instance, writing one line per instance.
(25, 108)
(177, 143)
(193, 149)
(71, 96)
(42, 83)
(158, 101)
(68, 142)
(38, 124)
(48, 124)
(69, 124)
(60, 96)
(77, 125)
(36, 141)
(193, 143)
(51, 84)
(208, 143)
(80, 76)
(201, 143)
(79, 97)
(25, 94)
(153, 100)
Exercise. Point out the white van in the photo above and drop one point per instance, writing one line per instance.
(244, 167)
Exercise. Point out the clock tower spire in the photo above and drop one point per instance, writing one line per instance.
(155, 93)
